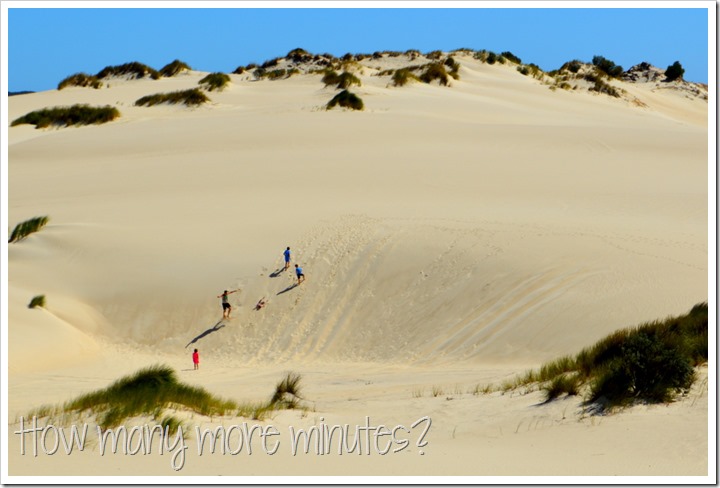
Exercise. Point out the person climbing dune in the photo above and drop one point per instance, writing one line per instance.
(227, 308)
(300, 274)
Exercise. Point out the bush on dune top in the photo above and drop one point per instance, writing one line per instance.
(133, 70)
(174, 68)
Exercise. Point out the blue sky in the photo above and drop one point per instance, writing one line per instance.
(46, 45)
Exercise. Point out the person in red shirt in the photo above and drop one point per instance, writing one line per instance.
(196, 359)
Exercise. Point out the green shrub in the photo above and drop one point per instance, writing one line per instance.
(67, 116)
(647, 368)
(172, 69)
(435, 71)
(650, 362)
(193, 97)
(491, 58)
(37, 301)
(346, 99)
(80, 79)
(215, 81)
(608, 67)
(674, 72)
(134, 70)
(30, 226)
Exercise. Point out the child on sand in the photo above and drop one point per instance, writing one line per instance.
(287, 258)
(261, 303)
(196, 359)
(226, 303)
(299, 273)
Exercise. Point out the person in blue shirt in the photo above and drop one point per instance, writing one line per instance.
(287, 258)
(299, 273)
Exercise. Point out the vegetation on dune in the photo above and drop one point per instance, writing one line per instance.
(608, 67)
(174, 68)
(152, 390)
(134, 70)
(30, 226)
(435, 71)
(193, 97)
(402, 76)
(342, 81)
(37, 301)
(80, 79)
(346, 99)
(215, 81)
(674, 72)
(652, 362)
(66, 116)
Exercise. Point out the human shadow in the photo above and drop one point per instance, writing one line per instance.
(215, 328)
(277, 272)
(288, 288)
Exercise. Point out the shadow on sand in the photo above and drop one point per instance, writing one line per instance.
(215, 328)
(288, 288)
(277, 273)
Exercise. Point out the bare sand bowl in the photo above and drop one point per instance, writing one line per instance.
(451, 237)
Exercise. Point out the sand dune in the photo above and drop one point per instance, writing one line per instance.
(450, 236)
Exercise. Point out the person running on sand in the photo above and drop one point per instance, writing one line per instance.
(287, 258)
(299, 273)
(196, 359)
(226, 303)
(261, 303)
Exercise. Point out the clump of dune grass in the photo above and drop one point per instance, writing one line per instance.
(652, 363)
(81, 80)
(346, 99)
(67, 116)
(435, 71)
(152, 390)
(215, 81)
(30, 226)
(343, 81)
(37, 301)
(287, 392)
(402, 76)
(174, 68)
(192, 97)
(133, 70)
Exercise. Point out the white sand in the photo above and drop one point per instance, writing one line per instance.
(451, 236)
